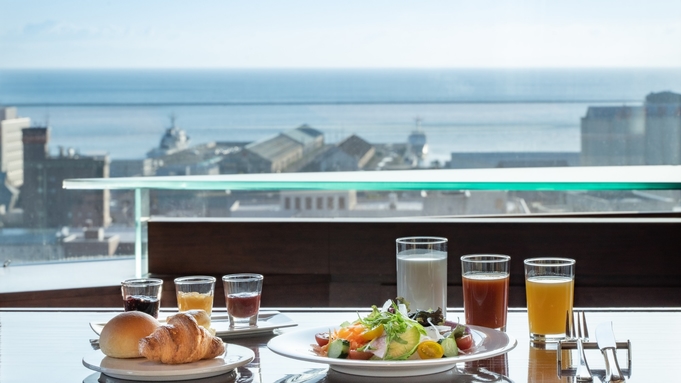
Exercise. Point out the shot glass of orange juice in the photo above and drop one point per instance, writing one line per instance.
(195, 293)
(549, 286)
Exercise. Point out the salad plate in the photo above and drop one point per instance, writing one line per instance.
(267, 322)
(298, 345)
(142, 369)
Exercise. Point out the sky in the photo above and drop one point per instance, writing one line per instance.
(339, 34)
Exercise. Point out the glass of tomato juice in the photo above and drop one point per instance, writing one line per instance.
(485, 289)
(549, 286)
(242, 296)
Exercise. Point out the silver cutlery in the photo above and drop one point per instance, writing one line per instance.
(578, 333)
(606, 342)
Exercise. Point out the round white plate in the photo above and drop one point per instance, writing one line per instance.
(146, 370)
(297, 345)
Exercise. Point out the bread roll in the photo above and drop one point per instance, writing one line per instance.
(121, 335)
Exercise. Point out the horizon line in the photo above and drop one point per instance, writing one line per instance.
(670, 67)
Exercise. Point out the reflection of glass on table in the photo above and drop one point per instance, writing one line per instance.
(542, 364)
(496, 364)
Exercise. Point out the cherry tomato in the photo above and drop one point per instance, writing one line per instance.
(373, 333)
(465, 342)
(430, 349)
(322, 338)
(360, 355)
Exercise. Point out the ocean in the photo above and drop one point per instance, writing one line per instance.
(125, 112)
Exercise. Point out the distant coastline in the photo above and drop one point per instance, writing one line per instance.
(124, 112)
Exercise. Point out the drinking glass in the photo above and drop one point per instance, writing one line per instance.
(195, 293)
(242, 296)
(549, 285)
(485, 280)
(422, 272)
(142, 294)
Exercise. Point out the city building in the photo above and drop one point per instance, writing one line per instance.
(311, 139)
(133, 167)
(11, 147)
(318, 200)
(613, 136)
(479, 160)
(20, 245)
(663, 128)
(351, 154)
(201, 159)
(633, 135)
(288, 151)
(46, 204)
(92, 242)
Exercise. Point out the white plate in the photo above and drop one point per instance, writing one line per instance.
(297, 345)
(267, 321)
(146, 370)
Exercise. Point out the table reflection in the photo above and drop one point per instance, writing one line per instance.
(230, 377)
(542, 363)
(458, 374)
(497, 365)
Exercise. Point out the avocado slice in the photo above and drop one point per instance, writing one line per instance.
(404, 346)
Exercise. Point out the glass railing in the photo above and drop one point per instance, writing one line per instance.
(559, 179)
(638, 178)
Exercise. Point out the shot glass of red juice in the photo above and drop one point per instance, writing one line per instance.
(485, 289)
(242, 296)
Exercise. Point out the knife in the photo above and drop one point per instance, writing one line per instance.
(606, 342)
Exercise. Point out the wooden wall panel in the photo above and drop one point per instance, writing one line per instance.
(218, 248)
(615, 257)
(107, 296)
(315, 263)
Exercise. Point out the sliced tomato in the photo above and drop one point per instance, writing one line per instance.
(322, 338)
(465, 342)
(360, 355)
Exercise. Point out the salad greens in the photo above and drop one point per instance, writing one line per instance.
(391, 332)
(395, 322)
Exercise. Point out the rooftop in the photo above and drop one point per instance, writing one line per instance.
(60, 275)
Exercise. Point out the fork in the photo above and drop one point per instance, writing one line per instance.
(581, 332)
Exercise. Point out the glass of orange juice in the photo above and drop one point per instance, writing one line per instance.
(195, 293)
(549, 286)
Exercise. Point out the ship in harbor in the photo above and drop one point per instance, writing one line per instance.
(418, 145)
(173, 140)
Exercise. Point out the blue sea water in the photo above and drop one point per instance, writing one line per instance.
(125, 112)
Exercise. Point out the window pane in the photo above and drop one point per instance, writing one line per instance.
(315, 87)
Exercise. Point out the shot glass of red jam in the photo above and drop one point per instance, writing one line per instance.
(142, 294)
(242, 296)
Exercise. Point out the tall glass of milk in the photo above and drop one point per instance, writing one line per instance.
(422, 272)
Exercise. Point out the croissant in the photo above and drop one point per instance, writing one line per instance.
(182, 340)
